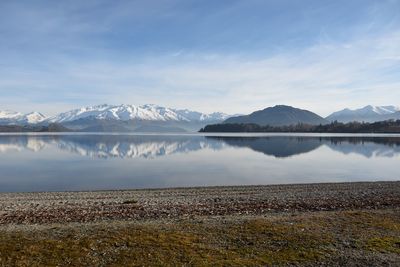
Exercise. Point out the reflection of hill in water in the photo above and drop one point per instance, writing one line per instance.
(286, 146)
(277, 146)
(152, 146)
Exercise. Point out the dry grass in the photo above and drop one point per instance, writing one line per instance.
(276, 240)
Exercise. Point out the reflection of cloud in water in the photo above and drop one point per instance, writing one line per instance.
(131, 146)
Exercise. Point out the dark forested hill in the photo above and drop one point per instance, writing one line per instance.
(279, 116)
(390, 126)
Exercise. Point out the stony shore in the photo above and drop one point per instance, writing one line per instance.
(64, 207)
(305, 225)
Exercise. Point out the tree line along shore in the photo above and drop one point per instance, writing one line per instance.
(390, 126)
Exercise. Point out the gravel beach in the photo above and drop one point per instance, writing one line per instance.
(61, 207)
(339, 224)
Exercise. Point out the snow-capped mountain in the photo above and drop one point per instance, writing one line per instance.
(32, 118)
(366, 114)
(141, 113)
(383, 110)
(198, 116)
(7, 114)
(120, 118)
(11, 117)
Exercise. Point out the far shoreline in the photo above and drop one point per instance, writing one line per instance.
(205, 134)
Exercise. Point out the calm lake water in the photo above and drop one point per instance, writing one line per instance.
(97, 162)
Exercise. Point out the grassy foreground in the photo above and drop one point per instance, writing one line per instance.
(329, 237)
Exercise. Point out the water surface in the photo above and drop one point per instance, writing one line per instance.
(118, 161)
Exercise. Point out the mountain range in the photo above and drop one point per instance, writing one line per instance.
(366, 114)
(119, 118)
(16, 118)
(282, 115)
(154, 118)
(132, 112)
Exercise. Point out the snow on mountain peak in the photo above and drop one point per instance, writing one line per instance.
(381, 110)
(368, 114)
(34, 117)
(198, 116)
(148, 112)
(7, 114)
(11, 117)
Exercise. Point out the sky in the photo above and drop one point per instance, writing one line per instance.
(233, 56)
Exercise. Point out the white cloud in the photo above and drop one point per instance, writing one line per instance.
(323, 78)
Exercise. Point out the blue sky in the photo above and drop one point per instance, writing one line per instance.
(230, 56)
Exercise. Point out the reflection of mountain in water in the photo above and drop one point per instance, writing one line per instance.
(19, 143)
(152, 146)
(109, 146)
(133, 146)
(366, 146)
(286, 146)
(277, 146)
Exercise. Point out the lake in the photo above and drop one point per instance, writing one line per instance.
(65, 162)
